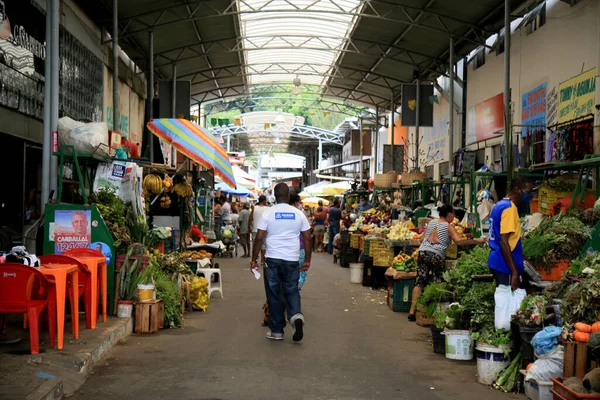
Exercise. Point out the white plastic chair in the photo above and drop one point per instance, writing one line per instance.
(212, 286)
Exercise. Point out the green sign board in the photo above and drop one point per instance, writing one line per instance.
(68, 226)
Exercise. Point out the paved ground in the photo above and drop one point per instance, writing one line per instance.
(355, 347)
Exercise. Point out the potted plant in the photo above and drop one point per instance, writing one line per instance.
(439, 323)
(145, 284)
(127, 286)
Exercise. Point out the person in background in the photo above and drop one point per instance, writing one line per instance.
(296, 202)
(225, 208)
(255, 216)
(363, 205)
(282, 226)
(319, 227)
(307, 211)
(506, 255)
(244, 221)
(432, 253)
(335, 216)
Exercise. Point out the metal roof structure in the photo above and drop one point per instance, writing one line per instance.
(350, 51)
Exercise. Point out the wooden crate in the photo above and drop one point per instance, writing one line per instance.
(149, 316)
(575, 360)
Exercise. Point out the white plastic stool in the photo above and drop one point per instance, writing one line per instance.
(212, 286)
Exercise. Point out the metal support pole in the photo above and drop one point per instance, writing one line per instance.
(392, 107)
(115, 48)
(150, 89)
(375, 144)
(360, 161)
(174, 93)
(54, 82)
(47, 139)
(507, 122)
(228, 143)
(417, 138)
(174, 111)
(451, 112)
(320, 154)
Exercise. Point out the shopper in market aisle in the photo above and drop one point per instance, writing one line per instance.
(295, 201)
(225, 208)
(255, 215)
(244, 222)
(432, 253)
(335, 216)
(282, 225)
(506, 255)
(319, 227)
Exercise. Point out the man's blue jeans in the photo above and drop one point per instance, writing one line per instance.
(333, 230)
(281, 274)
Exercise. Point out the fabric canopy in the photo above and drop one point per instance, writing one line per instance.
(240, 191)
(317, 188)
(336, 188)
(196, 144)
(314, 201)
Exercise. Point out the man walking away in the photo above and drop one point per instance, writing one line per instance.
(506, 256)
(283, 224)
(335, 216)
(255, 216)
(244, 232)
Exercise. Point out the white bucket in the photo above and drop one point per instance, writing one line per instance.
(490, 361)
(125, 309)
(356, 273)
(459, 345)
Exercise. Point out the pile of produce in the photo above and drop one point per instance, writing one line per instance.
(198, 289)
(371, 222)
(153, 184)
(401, 232)
(556, 238)
(196, 255)
(535, 312)
(462, 229)
(404, 263)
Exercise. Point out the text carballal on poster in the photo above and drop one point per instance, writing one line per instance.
(72, 230)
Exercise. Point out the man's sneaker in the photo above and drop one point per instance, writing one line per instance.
(297, 323)
(274, 336)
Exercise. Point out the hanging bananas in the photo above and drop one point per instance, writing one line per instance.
(153, 184)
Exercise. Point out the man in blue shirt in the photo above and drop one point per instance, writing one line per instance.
(506, 256)
(335, 216)
(363, 205)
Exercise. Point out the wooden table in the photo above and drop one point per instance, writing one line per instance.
(98, 270)
(59, 274)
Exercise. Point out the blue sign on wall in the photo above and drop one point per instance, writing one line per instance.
(533, 109)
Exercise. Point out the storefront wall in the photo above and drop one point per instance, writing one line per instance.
(564, 47)
(131, 99)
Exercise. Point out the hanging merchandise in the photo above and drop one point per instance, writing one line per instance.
(550, 143)
(580, 141)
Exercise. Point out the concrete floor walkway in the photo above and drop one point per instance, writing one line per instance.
(355, 347)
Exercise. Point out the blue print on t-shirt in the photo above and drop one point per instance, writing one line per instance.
(285, 215)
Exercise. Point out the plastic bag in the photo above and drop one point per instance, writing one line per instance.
(507, 303)
(549, 365)
(546, 340)
(199, 293)
(85, 138)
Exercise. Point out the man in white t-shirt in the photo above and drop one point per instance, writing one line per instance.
(255, 215)
(282, 225)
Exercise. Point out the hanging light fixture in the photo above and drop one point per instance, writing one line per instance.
(280, 119)
(296, 90)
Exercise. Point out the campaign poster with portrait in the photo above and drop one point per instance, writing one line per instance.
(102, 248)
(72, 230)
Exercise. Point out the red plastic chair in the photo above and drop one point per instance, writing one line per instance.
(83, 252)
(85, 280)
(23, 290)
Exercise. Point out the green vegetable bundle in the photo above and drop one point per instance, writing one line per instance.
(507, 378)
(468, 264)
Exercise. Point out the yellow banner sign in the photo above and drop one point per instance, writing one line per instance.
(577, 96)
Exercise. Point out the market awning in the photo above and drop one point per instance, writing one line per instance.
(240, 191)
(196, 144)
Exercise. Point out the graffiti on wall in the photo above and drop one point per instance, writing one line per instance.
(123, 121)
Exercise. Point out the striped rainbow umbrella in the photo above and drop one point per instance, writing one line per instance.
(195, 143)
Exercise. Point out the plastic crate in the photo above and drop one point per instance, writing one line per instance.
(355, 240)
(535, 390)
(402, 294)
(376, 245)
(561, 392)
(383, 258)
(548, 196)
